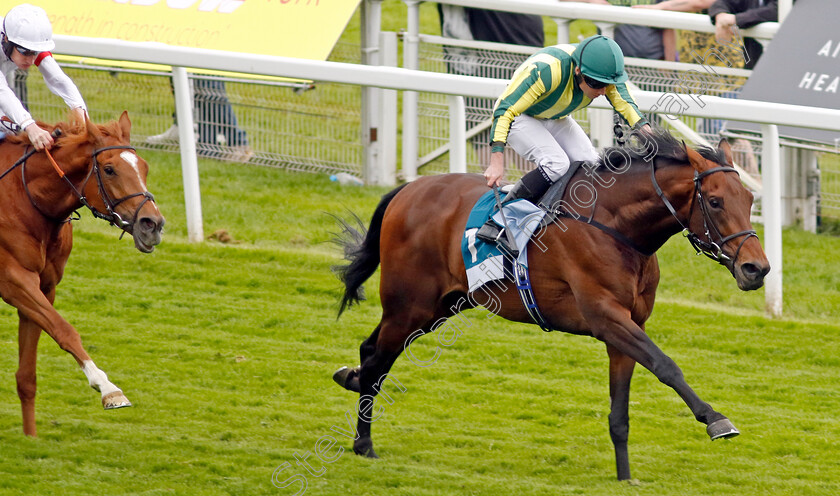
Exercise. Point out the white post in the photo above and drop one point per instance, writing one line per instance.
(410, 61)
(771, 210)
(457, 134)
(189, 163)
(600, 127)
(791, 187)
(784, 9)
(812, 190)
(371, 22)
(563, 35)
(388, 106)
(607, 29)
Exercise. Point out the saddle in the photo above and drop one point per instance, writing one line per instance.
(493, 232)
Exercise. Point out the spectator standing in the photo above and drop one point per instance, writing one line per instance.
(694, 6)
(218, 132)
(699, 43)
(641, 41)
(466, 23)
(727, 15)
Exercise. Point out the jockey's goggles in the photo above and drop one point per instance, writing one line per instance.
(594, 83)
(25, 51)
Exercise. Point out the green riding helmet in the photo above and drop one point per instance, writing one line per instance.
(601, 59)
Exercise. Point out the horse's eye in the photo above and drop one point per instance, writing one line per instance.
(109, 170)
(716, 203)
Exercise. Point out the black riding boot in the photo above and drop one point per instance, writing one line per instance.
(531, 187)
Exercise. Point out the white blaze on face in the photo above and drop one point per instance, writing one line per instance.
(131, 158)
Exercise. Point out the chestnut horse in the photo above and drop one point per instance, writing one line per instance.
(89, 165)
(594, 275)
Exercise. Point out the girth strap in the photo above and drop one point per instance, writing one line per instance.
(522, 278)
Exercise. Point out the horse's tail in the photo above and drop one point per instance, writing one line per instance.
(361, 249)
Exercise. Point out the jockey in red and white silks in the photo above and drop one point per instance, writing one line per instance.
(26, 37)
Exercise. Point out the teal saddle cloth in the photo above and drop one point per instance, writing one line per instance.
(484, 261)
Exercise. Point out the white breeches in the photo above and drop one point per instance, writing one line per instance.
(551, 144)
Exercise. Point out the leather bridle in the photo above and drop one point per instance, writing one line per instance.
(713, 248)
(111, 204)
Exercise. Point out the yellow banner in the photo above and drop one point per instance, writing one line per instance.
(305, 29)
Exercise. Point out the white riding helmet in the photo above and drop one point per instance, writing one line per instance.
(29, 27)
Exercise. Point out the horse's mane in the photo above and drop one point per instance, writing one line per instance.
(662, 143)
(74, 132)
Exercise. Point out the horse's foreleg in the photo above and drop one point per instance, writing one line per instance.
(24, 293)
(112, 396)
(28, 335)
(631, 340)
(621, 371)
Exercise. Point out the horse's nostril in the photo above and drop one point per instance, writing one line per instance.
(765, 270)
(753, 271)
(148, 224)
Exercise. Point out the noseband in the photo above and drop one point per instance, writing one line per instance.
(713, 248)
(110, 215)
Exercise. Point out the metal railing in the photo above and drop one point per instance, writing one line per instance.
(456, 87)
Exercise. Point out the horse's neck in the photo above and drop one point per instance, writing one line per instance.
(631, 205)
(50, 192)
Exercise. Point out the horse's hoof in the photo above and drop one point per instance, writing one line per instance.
(722, 429)
(347, 378)
(364, 447)
(115, 400)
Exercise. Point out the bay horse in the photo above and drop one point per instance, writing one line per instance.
(595, 274)
(89, 165)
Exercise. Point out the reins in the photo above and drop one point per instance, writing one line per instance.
(607, 229)
(711, 248)
(21, 160)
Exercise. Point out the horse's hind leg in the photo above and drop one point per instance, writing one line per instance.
(373, 374)
(349, 378)
(621, 371)
(379, 354)
(28, 335)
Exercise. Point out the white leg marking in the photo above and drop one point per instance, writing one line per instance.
(98, 379)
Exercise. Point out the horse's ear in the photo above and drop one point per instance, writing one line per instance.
(697, 161)
(724, 146)
(125, 125)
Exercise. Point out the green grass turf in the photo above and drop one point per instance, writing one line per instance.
(227, 352)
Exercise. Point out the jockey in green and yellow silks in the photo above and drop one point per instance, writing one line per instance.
(533, 114)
